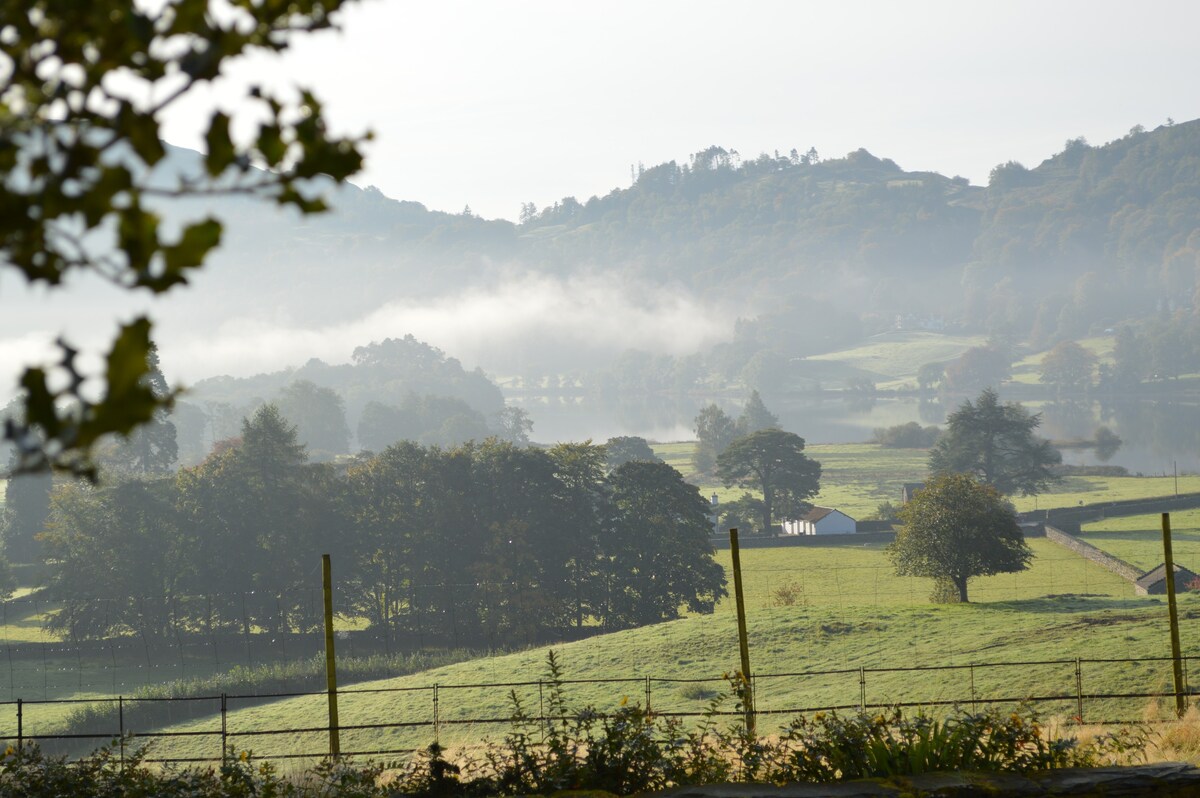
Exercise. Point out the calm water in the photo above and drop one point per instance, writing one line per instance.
(1157, 435)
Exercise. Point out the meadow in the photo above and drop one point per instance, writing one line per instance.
(1137, 539)
(812, 609)
(840, 609)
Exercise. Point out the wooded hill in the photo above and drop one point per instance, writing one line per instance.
(1093, 234)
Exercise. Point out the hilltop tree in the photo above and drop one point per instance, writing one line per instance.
(79, 191)
(995, 444)
(954, 529)
(774, 462)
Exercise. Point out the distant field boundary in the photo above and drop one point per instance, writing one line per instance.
(1070, 519)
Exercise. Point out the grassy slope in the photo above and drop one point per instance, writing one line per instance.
(893, 356)
(855, 614)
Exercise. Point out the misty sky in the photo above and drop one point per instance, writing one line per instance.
(494, 104)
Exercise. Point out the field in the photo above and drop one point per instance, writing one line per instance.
(891, 358)
(856, 477)
(848, 612)
(1137, 539)
(812, 609)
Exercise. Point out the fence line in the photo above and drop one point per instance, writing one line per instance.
(1068, 697)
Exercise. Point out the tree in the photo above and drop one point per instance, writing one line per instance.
(1068, 367)
(79, 191)
(978, 368)
(152, 448)
(995, 444)
(756, 416)
(622, 449)
(954, 529)
(929, 375)
(26, 508)
(714, 430)
(319, 415)
(659, 554)
(774, 462)
(514, 425)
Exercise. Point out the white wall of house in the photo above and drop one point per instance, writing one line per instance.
(835, 523)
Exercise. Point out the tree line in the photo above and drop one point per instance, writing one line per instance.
(498, 540)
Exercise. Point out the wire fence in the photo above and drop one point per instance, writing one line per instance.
(395, 721)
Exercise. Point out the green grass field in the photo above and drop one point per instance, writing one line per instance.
(1137, 539)
(898, 355)
(850, 612)
(811, 608)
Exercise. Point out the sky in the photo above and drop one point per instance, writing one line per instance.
(494, 104)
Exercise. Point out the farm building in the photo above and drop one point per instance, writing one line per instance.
(909, 490)
(821, 521)
(1154, 582)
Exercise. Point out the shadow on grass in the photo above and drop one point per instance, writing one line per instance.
(1141, 535)
(1071, 603)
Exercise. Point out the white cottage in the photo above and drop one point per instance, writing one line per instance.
(821, 521)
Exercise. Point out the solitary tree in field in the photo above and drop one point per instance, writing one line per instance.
(954, 529)
(994, 443)
(774, 462)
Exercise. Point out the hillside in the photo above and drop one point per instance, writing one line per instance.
(686, 658)
(811, 254)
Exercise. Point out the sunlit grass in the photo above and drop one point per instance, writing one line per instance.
(1138, 539)
(897, 355)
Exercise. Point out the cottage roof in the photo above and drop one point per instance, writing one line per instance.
(817, 513)
(1158, 574)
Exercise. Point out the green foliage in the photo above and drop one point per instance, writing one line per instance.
(1069, 368)
(79, 189)
(151, 448)
(26, 508)
(755, 416)
(979, 368)
(714, 431)
(955, 529)
(622, 449)
(995, 443)
(774, 462)
(319, 415)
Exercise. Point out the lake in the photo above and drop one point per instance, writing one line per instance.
(1158, 435)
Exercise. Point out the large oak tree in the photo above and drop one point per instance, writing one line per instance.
(954, 529)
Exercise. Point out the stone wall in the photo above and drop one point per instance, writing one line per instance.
(1118, 566)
